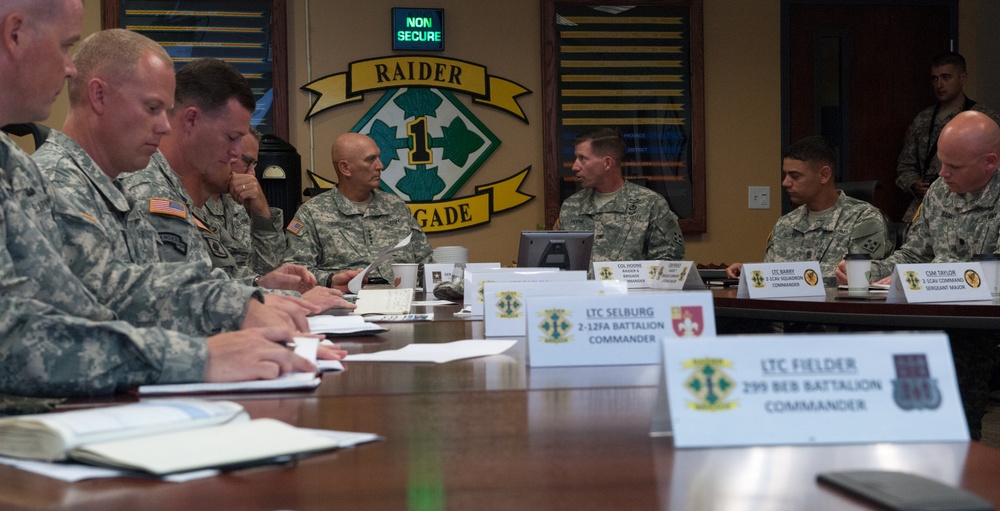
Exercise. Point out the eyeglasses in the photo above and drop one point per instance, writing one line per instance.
(251, 163)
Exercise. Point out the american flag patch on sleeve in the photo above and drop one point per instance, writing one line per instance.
(167, 207)
(294, 227)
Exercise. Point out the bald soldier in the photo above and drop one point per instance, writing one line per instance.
(960, 215)
(959, 218)
(349, 226)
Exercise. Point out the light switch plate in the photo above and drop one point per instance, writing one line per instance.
(760, 197)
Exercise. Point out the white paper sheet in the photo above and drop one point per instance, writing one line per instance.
(355, 284)
(342, 325)
(437, 353)
(383, 301)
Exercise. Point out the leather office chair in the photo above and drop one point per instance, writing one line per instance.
(39, 133)
(865, 190)
(861, 190)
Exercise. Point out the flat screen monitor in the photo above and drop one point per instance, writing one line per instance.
(569, 250)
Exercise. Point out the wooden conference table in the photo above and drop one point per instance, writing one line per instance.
(491, 433)
(838, 308)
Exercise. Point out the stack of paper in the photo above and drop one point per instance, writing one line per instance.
(305, 347)
(384, 301)
(343, 325)
(162, 437)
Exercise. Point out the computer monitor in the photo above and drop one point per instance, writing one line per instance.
(569, 250)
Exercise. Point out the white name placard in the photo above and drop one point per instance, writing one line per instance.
(678, 275)
(504, 303)
(938, 282)
(813, 389)
(474, 281)
(613, 329)
(436, 273)
(638, 274)
(778, 280)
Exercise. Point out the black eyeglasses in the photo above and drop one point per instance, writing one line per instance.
(251, 163)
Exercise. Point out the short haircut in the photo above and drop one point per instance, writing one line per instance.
(603, 142)
(949, 57)
(255, 133)
(813, 149)
(209, 84)
(111, 54)
(39, 10)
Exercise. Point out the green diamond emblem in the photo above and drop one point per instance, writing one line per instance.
(431, 143)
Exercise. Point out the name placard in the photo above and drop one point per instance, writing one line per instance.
(474, 281)
(678, 275)
(613, 329)
(637, 274)
(504, 303)
(436, 273)
(777, 280)
(813, 389)
(938, 282)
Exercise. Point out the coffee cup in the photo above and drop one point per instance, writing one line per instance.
(859, 271)
(404, 275)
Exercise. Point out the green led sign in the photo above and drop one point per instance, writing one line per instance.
(417, 29)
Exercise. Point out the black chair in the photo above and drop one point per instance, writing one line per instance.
(38, 132)
(320, 184)
(861, 190)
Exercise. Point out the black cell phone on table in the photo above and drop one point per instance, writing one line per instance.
(904, 492)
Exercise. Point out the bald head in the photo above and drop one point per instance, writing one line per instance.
(969, 150)
(113, 55)
(359, 169)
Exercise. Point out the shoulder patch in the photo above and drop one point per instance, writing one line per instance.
(200, 224)
(294, 227)
(167, 207)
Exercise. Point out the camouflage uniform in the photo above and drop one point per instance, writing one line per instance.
(920, 143)
(111, 247)
(259, 241)
(183, 236)
(45, 332)
(329, 235)
(949, 227)
(637, 225)
(952, 227)
(851, 226)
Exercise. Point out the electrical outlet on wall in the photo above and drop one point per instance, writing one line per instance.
(760, 197)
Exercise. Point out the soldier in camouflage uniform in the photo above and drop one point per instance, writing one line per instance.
(55, 337)
(349, 226)
(205, 139)
(630, 222)
(106, 242)
(918, 164)
(259, 238)
(960, 216)
(828, 224)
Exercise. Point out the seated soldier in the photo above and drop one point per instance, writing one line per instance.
(349, 226)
